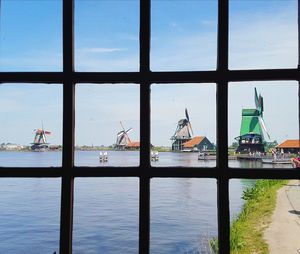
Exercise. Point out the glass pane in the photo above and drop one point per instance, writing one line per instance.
(183, 215)
(107, 125)
(183, 125)
(184, 35)
(106, 215)
(263, 124)
(31, 125)
(31, 35)
(264, 216)
(263, 34)
(107, 35)
(29, 215)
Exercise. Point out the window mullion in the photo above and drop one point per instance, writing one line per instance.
(144, 197)
(67, 190)
(222, 127)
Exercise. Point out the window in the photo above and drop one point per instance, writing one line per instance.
(144, 78)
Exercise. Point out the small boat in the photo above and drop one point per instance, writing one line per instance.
(296, 162)
(276, 161)
(154, 156)
(103, 157)
(204, 156)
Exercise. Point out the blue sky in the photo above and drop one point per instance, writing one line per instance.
(263, 34)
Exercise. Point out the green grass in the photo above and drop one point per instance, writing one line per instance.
(246, 231)
(162, 149)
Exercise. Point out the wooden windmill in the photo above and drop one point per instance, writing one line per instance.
(122, 138)
(251, 137)
(183, 133)
(39, 142)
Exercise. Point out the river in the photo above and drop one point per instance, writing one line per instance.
(183, 211)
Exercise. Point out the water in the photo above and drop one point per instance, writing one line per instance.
(183, 211)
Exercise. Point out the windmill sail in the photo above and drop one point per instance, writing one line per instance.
(182, 133)
(123, 138)
(40, 141)
(253, 127)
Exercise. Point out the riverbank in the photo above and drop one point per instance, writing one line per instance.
(246, 233)
(282, 235)
(247, 229)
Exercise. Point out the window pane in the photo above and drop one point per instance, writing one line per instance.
(31, 35)
(263, 34)
(29, 215)
(183, 215)
(31, 117)
(106, 215)
(107, 35)
(184, 35)
(107, 125)
(263, 124)
(183, 125)
(265, 216)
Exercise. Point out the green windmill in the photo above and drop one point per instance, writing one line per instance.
(251, 137)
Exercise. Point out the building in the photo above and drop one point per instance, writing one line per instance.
(198, 143)
(289, 146)
(135, 145)
(11, 147)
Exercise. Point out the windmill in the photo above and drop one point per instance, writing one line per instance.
(252, 130)
(182, 133)
(40, 143)
(122, 138)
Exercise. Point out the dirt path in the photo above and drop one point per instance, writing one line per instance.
(283, 234)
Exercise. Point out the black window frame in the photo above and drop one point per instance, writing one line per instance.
(221, 76)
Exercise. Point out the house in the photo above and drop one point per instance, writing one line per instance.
(198, 143)
(133, 145)
(11, 147)
(289, 146)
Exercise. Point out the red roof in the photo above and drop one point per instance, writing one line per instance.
(290, 143)
(134, 144)
(194, 141)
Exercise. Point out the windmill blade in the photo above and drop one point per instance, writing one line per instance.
(256, 98)
(120, 133)
(122, 126)
(121, 138)
(187, 114)
(190, 125)
(43, 130)
(128, 137)
(261, 103)
(38, 131)
(130, 129)
(261, 120)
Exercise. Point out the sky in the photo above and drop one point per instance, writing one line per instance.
(262, 34)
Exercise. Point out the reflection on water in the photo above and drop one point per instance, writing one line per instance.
(183, 215)
(106, 215)
(115, 159)
(120, 158)
(183, 211)
(29, 215)
(173, 159)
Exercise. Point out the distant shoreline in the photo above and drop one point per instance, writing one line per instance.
(81, 148)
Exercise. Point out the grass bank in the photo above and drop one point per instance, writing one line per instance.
(246, 231)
